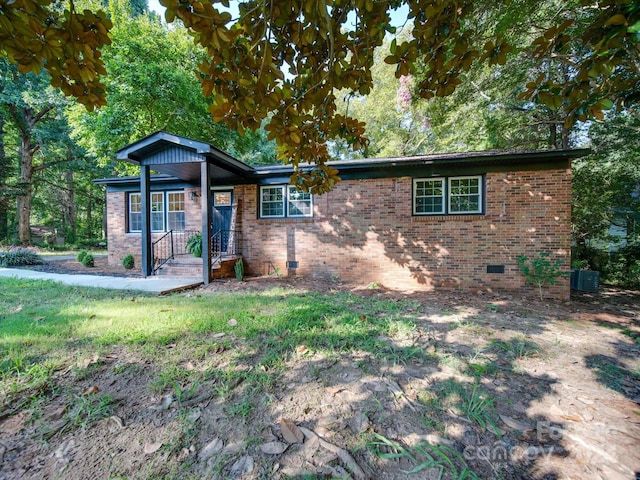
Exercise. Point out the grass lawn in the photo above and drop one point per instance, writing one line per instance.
(197, 384)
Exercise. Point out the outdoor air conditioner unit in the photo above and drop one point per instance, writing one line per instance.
(585, 280)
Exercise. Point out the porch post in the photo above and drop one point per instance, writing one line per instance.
(205, 194)
(145, 195)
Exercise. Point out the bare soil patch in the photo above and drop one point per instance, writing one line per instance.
(560, 383)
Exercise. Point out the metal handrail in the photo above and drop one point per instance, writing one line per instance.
(224, 243)
(170, 245)
(161, 252)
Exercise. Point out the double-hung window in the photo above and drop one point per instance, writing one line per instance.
(175, 211)
(135, 212)
(167, 211)
(450, 195)
(285, 201)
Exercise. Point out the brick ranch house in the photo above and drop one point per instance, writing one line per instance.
(420, 223)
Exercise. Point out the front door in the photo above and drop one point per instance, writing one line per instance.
(221, 217)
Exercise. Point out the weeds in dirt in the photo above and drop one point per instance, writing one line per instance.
(86, 409)
(423, 456)
(518, 348)
(478, 407)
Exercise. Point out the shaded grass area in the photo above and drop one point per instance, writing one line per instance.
(46, 326)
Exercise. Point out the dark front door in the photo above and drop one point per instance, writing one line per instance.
(221, 217)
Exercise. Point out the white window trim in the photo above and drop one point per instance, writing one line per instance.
(446, 204)
(129, 212)
(444, 195)
(480, 199)
(286, 210)
(165, 209)
(289, 214)
(284, 200)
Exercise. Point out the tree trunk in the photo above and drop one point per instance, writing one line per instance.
(89, 214)
(27, 150)
(4, 174)
(69, 206)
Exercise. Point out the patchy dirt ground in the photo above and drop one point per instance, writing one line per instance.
(561, 380)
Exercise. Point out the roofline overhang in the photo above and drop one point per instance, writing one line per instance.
(492, 157)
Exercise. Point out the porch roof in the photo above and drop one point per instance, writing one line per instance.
(181, 157)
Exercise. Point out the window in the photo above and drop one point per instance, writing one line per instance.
(300, 203)
(173, 217)
(285, 201)
(157, 212)
(428, 196)
(175, 207)
(135, 212)
(271, 202)
(453, 195)
(222, 199)
(464, 195)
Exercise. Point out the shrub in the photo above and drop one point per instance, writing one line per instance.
(239, 269)
(87, 261)
(128, 262)
(194, 245)
(81, 255)
(16, 257)
(540, 271)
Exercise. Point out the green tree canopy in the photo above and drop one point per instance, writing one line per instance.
(282, 61)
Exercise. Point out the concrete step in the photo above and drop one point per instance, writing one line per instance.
(188, 266)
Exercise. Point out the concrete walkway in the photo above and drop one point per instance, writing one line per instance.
(150, 284)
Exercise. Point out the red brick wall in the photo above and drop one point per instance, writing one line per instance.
(121, 243)
(364, 231)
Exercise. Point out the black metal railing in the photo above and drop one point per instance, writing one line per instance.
(162, 250)
(169, 245)
(224, 243)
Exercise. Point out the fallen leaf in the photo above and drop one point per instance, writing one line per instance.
(219, 335)
(91, 391)
(17, 309)
(210, 449)
(273, 448)
(360, 422)
(219, 349)
(243, 465)
(515, 424)
(290, 432)
(117, 420)
(302, 349)
(573, 418)
(333, 390)
(88, 361)
(167, 400)
(58, 413)
(92, 316)
(184, 454)
(150, 448)
(37, 319)
(190, 366)
(233, 322)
